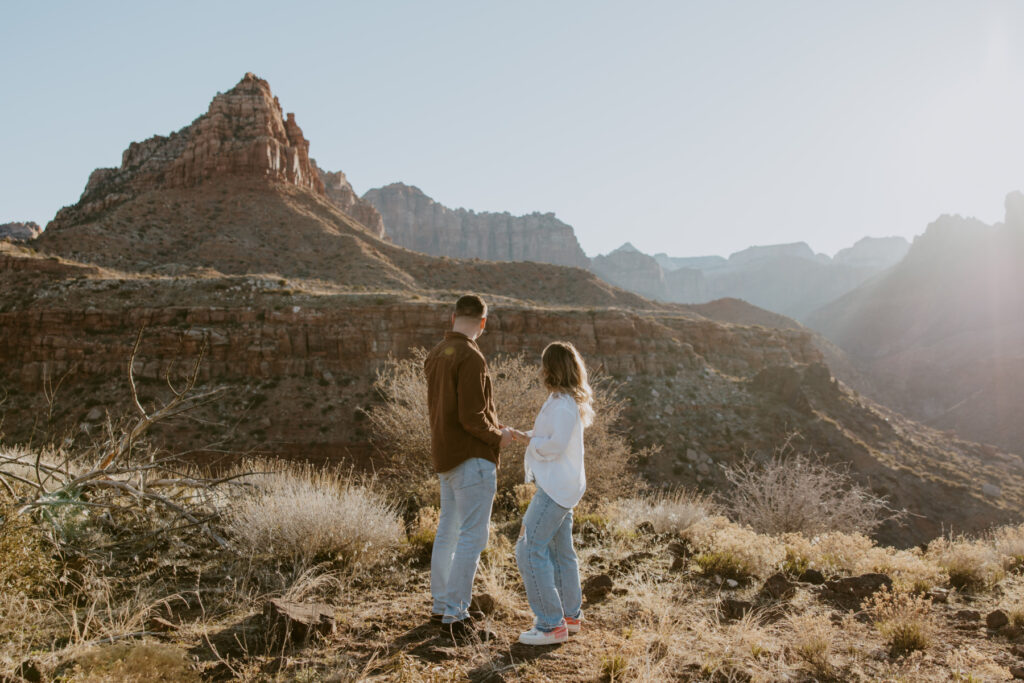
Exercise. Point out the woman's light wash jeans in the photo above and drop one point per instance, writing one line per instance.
(548, 562)
(467, 494)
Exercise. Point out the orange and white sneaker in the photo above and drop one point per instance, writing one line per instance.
(558, 635)
(574, 625)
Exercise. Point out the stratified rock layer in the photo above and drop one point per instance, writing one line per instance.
(415, 221)
(19, 232)
(340, 193)
(244, 133)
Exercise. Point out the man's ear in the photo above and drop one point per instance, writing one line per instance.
(483, 322)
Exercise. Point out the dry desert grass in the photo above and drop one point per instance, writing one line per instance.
(177, 607)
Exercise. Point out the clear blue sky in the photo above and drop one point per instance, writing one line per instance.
(685, 127)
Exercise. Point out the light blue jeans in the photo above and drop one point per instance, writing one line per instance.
(547, 562)
(467, 495)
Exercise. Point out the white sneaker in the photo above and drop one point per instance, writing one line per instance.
(537, 637)
(574, 625)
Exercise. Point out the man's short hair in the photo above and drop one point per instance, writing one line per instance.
(470, 306)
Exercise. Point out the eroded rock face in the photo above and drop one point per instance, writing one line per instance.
(19, 232)
(243, 133)
(340, 192)
(415, 221)
(630, 269)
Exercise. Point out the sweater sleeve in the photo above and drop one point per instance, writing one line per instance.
(560, 421)
(473, 401)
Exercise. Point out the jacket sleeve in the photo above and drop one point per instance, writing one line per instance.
(473, 401)
(560, 421)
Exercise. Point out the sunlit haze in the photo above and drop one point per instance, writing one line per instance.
(684, 127)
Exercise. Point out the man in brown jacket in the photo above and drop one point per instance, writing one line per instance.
(466, 439)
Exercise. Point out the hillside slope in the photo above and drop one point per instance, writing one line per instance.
(942, 334)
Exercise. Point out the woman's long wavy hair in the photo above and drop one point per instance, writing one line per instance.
(564, 372)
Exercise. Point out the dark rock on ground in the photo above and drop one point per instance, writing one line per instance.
(778, 587)
(597, 587)
(812, 576)
(298, 622)
(969, 615)
(483, 603)
(735, 609)
(997, 619)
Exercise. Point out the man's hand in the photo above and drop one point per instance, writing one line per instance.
(519, 436)
(506, 437)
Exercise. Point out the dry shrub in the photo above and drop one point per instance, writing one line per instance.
(401, 428)
(669, 512)
(26, 563)
(1009, 542)
(972, 564)
(732, 551)
(423, 530)
(903, 619)
(832, 553)
(793, 493)
(909, 569)
(813, 636)
(134, 663)
(300, 515)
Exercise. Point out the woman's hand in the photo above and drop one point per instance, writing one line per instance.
(519, 436)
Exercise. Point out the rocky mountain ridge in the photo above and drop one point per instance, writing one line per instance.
(19, 231)
(298, 304)
(786, 278)
(942, 333)
(417, 222)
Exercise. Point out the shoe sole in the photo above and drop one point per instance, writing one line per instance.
(546, 641)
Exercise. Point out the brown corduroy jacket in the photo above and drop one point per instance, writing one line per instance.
(463, 422)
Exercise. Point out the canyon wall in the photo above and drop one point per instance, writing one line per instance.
(415, 221)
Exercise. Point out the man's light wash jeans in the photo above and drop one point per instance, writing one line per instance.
(467, 494)
(547, 562)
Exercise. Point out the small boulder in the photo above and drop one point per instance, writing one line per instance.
(967, 615)
(298, 622)
(851, 591)
(735, 609)
(597, 587)
(812, 576)
(859, 587)
(94, 415)
(681, 548)
(939, 595)
(778, 587)
(991, 490)
(483, 603)
(1017, 671)
(997, 619)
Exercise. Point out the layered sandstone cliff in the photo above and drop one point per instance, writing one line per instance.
(19, 232)
(415, 221)
(244, 133)
(340, 193)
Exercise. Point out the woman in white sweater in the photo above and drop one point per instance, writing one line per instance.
(554, 460)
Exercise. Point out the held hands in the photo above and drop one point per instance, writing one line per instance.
(510, 434)
(519, 436)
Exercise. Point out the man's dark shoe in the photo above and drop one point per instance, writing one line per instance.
(473, 614)
(465, 632)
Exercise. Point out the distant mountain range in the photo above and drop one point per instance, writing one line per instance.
(786, 278)
(942, 333)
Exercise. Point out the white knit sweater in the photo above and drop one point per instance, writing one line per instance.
(554, 458)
